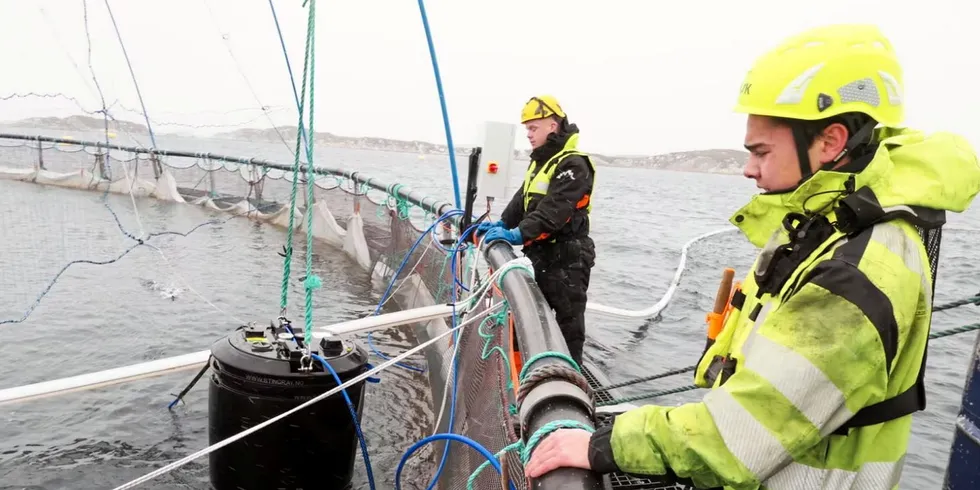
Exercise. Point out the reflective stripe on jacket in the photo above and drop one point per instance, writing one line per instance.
(844, 329)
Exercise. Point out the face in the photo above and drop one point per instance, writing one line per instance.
(773, 162)
(539, 129)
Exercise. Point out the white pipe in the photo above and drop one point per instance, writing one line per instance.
(375, 322)
(104, 378)
(660, 305)
(188, 361)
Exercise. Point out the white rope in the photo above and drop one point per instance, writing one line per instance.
(214, 447)
(445, 388)
(473, 299)
(452, 360)
(660, 305)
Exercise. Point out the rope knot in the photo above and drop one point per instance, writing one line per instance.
(313, 282)
(522, 263)
(525, 449)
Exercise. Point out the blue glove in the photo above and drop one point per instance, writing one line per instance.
(487, 226)
(512, 236)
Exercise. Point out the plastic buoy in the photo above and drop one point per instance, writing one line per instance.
(258, 373)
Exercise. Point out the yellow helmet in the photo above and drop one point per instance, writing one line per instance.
(541, 107)
(824, 72)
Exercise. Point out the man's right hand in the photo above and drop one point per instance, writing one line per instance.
(487, 226)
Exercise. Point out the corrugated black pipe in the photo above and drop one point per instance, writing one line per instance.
(537, 332)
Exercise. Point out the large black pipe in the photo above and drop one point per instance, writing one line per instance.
(537, 332)
(427, 203)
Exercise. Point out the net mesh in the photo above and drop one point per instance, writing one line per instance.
(391, 221)
(391, 226)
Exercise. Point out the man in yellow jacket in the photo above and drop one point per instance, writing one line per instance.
(820, 364)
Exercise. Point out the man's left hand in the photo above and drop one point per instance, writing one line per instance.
(561, 448)
(512, 236)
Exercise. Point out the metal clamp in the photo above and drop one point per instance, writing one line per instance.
(306, 362)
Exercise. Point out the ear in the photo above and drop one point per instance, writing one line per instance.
(831, 142)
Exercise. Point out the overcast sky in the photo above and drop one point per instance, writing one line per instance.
(638, 76)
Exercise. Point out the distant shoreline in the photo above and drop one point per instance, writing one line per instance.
(719, 161)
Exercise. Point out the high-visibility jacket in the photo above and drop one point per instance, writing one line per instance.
(554, 202)
(825, 326)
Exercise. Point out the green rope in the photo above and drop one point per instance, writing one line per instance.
(509, 267)
(312, 281)
(655, 394)
(498, 318)
(525, 450)
(288, 255)
(665, 374)
(444, 285)
(644, 396)
(954, 331)
(972, 300)
(401, 205)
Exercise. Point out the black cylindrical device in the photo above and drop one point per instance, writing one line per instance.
(258, 373)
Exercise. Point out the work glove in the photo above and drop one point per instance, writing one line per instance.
(487, 226)
(512, 236)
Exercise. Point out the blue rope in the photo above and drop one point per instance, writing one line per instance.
(442, 103)
(104, 111)
(353, 415)
(289, 68)
(107, 167)
(107, 163)
(446, 437)
(456, 334)
(149, 127)
(58, 275)
(391, 284)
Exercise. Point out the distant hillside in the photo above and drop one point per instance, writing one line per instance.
(81, 123)
(711, 161)
(288, 133)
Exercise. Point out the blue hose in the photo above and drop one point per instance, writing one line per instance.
(442, 102)
(384, 297)
(448, 437)
(353, 414)
(452, 402)
(455, 274)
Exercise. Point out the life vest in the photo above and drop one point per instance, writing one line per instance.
(778, 273)
(538, 177)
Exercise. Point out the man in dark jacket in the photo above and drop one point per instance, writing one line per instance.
(549, 216)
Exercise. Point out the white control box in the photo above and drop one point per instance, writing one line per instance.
(496, 169)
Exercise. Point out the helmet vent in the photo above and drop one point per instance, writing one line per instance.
(892, 87)
(793, 93)
(863, 90)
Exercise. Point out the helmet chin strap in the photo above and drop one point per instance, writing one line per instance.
(802, 153)
(860, 136)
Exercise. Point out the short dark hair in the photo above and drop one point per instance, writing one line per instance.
(853, 121)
